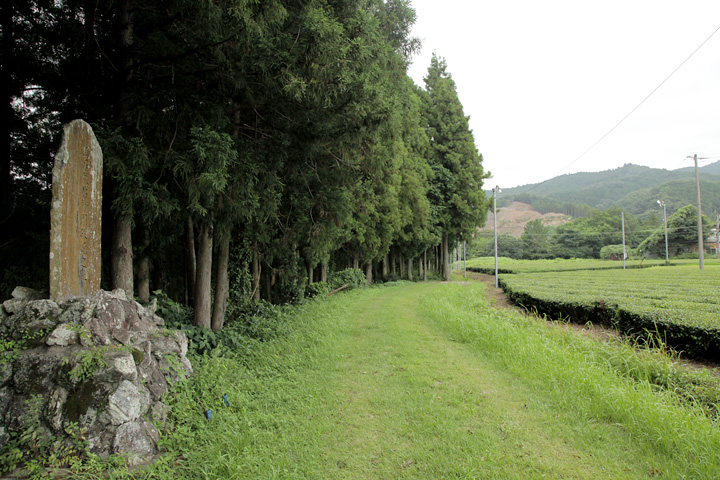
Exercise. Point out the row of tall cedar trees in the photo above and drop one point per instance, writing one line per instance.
(286, 133)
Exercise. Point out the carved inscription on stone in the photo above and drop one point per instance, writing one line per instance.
(75, 226)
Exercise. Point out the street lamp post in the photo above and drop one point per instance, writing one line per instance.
(667, 250)
(495, 191)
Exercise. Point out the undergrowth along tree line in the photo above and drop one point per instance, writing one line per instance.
(249, 147)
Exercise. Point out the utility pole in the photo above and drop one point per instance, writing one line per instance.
(622, 216)
(667, 249)
(495, 191)
(465, 258)
(717, 237)
(701, 246)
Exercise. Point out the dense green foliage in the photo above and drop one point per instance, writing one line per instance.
(682, 233)
(248, 322)
(282, 139)
(458, 202)
(677, 305)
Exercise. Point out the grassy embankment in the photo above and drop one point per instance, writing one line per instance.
(428, 381)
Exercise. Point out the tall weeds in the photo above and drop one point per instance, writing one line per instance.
(600, 382)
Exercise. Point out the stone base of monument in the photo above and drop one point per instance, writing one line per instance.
(101, 362)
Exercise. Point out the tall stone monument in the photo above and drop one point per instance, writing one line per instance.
(75, 222)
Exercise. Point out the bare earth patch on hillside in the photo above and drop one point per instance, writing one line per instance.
(513, 218)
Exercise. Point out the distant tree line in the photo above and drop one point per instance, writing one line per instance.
(599, 235)
(249, 146)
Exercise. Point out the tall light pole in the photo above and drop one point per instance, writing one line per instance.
(701, 246)
(622, 216)
(717, 237)
(667, 250)
(495, 191)
(464, 258)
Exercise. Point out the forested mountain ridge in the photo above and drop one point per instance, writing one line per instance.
(634, 188)
(606, 188)
(712, 168)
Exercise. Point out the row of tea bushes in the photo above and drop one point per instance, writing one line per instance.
(678, 305)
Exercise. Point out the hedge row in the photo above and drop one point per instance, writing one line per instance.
(678, 305)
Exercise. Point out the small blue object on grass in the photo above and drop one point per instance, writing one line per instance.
(224, 397)
(208, 414)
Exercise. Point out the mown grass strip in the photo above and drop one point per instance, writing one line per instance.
(426, 381)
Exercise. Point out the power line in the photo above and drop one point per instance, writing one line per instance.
(634, 109)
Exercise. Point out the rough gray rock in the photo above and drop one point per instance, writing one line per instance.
(125, 404)
(136, 440)
(27, 294)
(101, 361)
(63, 335)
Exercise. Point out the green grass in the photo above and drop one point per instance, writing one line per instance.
(588, 385)
(427, 381)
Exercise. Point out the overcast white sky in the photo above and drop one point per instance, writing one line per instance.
(544, 80)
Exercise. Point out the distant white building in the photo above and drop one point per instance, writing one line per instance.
(711, 242)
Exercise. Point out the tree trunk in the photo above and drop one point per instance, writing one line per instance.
(368, 273)
(425, 266)
(222, 284)
(410, 269)
(445, 258)
(268, 283)
(203, 291)
(356, 262)
(402, 266)
(256, 266)
(121, 256)
(385, 267)
(190, 262)
(310, 272)
(323, 272)
(159, 280)
(143, 269)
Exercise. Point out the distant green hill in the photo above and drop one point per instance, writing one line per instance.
(675, 194)
(633, 187)
(712, 169)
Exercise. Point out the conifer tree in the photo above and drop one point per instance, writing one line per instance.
(459, 204)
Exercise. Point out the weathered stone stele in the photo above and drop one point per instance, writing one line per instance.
(75, 222)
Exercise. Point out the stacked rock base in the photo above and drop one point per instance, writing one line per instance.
(99, 364)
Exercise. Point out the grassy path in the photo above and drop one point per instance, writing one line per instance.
(391, 393)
